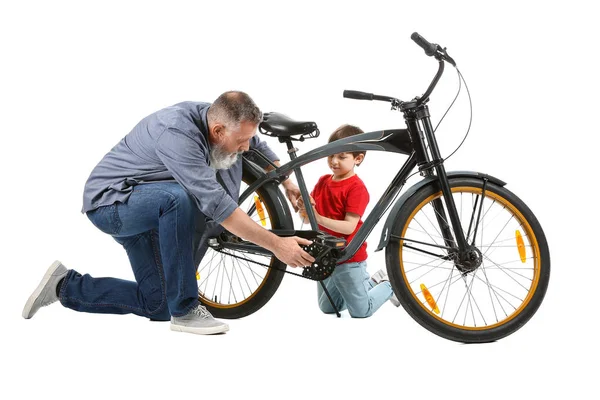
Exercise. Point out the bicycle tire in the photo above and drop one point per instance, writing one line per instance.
(498, 297)
(261, 282)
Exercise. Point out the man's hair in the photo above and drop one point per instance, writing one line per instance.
(233, 107)
(345, 131)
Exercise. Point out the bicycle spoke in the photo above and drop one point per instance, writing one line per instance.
(244, 275)
(419, 277)
(511, 277)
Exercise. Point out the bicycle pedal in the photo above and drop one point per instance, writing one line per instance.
(333, 242)
(326, 250)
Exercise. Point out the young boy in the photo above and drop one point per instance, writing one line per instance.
(339, 201)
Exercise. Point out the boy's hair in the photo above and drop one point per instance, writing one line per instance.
(345, 131)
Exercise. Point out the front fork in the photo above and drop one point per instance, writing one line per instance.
(453, 237)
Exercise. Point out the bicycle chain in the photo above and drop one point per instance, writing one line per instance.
(315, 272)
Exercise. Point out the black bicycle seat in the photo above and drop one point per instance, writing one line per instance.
(279, 125)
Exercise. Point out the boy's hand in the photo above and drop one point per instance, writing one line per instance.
(302, 210)
(301, 202)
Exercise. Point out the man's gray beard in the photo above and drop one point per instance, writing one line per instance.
(220, 159)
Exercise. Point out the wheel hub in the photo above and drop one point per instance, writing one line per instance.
(470, 260)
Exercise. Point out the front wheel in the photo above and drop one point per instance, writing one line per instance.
(479, 302)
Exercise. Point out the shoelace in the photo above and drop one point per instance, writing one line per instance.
(202, 312)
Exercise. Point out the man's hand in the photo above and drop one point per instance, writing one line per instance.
(292, 192)
(288, 250)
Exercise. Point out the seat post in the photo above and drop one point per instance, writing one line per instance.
(291, 149)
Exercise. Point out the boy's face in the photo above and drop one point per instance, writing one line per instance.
(342, 164)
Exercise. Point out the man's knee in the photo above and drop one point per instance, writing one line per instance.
(162, 314)
(180, 200)
(156, 307)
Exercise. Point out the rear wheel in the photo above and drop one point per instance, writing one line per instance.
(234, 284)
(479, 302)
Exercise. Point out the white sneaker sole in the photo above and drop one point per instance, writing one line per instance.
(200, 331)
(38, 290)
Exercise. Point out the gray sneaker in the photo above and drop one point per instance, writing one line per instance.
(198, 321)
(382, 276)
(45, 293)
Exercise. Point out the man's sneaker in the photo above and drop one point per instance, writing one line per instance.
(198, 321)
(45, 293)
(381, 276)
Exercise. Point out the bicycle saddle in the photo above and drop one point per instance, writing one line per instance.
(279, 125)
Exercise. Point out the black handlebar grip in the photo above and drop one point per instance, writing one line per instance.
(353, 94)
(429, 48)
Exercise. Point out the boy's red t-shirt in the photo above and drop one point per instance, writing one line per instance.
(336, 198)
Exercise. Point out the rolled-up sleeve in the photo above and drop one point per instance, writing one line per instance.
(186, 159)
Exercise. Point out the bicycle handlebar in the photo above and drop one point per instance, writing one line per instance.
(430, 49)
(354, 94)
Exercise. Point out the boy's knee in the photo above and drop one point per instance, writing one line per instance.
(325, 307)
(361, 312)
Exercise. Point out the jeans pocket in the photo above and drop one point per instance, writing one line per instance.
(106, 218)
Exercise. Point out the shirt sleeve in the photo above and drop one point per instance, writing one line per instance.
(357, 199)
(186, 160)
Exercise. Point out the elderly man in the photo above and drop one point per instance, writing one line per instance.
(156, 192)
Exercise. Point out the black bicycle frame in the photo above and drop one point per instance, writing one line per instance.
(410, 141)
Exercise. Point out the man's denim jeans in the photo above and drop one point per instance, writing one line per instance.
(351, 287)
(156, 227)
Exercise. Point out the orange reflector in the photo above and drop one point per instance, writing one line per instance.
(197, 276)
(430, 300)
(520, 245)
(260, 210)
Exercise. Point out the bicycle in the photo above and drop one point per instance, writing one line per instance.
(467, 259)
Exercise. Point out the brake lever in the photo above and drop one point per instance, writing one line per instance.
(442, 54)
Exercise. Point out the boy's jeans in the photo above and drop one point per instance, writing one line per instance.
(351, 287)
(164, 269)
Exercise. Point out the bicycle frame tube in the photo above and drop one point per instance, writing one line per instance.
(395, 140)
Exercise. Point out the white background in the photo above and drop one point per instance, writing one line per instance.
(76, 77)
